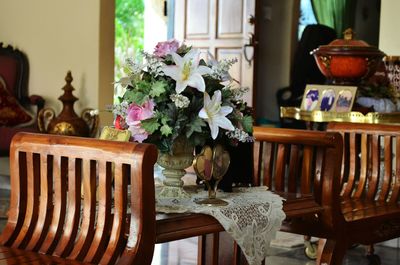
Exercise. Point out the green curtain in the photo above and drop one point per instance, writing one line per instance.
(337, 14)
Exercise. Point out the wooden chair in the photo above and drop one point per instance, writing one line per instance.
(48, 221)
(14, 74)
(304, 168)
(369, 187)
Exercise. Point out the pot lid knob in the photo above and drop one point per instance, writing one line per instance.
(349, 34)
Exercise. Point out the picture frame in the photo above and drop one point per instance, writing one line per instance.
(331, 98)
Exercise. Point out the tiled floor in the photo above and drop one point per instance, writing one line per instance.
(184, 252)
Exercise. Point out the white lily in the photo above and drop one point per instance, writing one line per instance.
(187, 72)
(215, 114)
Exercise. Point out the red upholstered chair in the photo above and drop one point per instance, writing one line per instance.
(18, 111)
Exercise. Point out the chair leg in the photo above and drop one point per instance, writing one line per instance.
(371, 256)
(331, 251)
(370, 249)
(208, 249)
(236, 254)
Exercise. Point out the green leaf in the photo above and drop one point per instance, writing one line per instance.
(165, 119)
(150, 125)
(143, 86)
(135, 96)
(247, 123)
(166, 130)
(157, 88)
(195, 126)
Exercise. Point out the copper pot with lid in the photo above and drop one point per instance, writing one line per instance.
(347, 61)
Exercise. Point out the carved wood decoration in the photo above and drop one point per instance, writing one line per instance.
(68, 122)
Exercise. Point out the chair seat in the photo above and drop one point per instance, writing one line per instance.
(362, 209)
(18, 256)
(297, 204)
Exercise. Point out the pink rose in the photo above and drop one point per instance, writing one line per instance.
(166, 47)
(136, 114)
(138, 133)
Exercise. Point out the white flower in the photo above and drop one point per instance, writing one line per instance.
(240, 135)
(153, 64)
(180, 101)
(215, 114)
(187, 72)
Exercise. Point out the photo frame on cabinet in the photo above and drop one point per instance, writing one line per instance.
(328, 98)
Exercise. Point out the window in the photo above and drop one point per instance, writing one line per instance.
(307, 16)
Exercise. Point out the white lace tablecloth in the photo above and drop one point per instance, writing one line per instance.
(252, 217)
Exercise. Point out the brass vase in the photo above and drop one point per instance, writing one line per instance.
(174, 164)
(210, 166)
(68, 122)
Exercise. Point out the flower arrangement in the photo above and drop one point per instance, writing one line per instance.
(172, 93)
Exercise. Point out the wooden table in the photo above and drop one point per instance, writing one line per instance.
(173, 226)
(215, 248)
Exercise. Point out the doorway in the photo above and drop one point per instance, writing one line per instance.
(139, 26)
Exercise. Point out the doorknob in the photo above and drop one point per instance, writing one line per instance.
(249, 46)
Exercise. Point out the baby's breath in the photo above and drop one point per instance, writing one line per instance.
(154, 64)
(133, 68)
(237, 92)
(180, 101)
(240, 135)
(121, 109)
(220, 69)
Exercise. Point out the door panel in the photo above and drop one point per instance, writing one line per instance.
(222, 28)
(230, 19)
(197, 19)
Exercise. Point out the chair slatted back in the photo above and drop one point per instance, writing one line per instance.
(370, 166)
(294, 161)
(49, 213)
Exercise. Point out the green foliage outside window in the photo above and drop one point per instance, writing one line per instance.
(129, 32)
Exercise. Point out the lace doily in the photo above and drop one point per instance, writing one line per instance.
(252, 217)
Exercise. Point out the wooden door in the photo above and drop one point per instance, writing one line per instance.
(225, 28)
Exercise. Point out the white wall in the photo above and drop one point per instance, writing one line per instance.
(155, 24)
(62, 35)
(389, 37)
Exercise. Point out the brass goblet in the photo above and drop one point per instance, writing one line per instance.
(210, 166)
